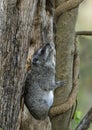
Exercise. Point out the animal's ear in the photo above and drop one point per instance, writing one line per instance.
(43, 49)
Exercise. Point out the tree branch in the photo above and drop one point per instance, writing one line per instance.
(89, 33)
(68, 5)
(86, 121)
(59, 109)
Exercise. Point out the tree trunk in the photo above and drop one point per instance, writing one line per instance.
(65, 38)
(15, 26)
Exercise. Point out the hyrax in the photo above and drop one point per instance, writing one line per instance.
(40, 82)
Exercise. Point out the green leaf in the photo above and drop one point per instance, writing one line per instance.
(78, 115)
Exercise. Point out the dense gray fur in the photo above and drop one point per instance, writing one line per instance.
(40, 82)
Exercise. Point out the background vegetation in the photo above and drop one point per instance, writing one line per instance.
(84, 22)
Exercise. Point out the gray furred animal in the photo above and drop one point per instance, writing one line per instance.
(40, 82)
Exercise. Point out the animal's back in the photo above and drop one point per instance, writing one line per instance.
(38, 100)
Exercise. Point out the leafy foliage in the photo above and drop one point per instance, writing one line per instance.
(78, 115)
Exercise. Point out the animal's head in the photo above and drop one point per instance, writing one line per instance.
(44, 55)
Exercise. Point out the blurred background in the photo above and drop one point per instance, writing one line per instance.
(84, 22)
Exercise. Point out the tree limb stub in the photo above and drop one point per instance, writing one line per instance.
(88, 33)
(68, 5)
(86, 121)
(59, 109)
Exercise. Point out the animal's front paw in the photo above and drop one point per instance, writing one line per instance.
(60, 83)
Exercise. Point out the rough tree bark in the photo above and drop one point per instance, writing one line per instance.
(15, 26)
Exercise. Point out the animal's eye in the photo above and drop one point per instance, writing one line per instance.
(42, 51)
(35, 60)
